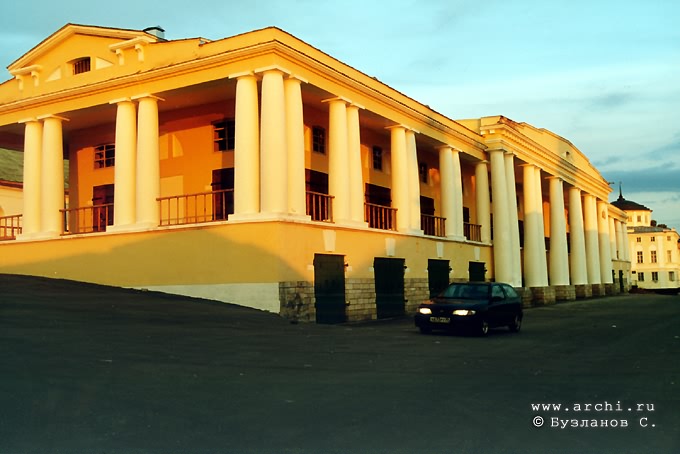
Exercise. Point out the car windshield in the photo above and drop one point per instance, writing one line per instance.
(466, 292)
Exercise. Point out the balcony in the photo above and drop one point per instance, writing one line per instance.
(10, 227)
(473, 232)
(87, 219)
(433, 225)
(380, 217)
(320, 206)
(196, 208)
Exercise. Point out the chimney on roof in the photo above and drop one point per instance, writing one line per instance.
(156, 31)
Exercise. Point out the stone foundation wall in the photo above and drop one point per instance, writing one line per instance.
(565, 292)
(527, 297)
(416, 290)
(610, 289)
(584, 291)
(543, 296)
(297, 301)
(360, 297)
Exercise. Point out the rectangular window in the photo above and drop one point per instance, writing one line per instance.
(640, 257)
(224, 135)
(655, 276)
(653, 239)
(104, 156)
(668, 238)
(422, 172)
(641, 277)
(653, 256)
(639, 239)
(671, 276)
(377, 158)
(669, 256)
(639, 218)
(318, 139)
(81, 65)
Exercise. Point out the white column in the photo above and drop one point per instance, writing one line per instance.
(591, 236)
(52, 169)
(612, 238)
(399, 163)
(559, 256)
(246, 147)
(604, 244)
(620, 236)
(626, 242)
(297, 204)
(577, 263)
(32, 178)
(413, 182)
(514, 221)
(338, 160)
(148, 164)
(482, 200)
(542, 259)
(532, 235)
(501, 220)
(356, 179)
(451, 192)
(125, 170)
(273, 152)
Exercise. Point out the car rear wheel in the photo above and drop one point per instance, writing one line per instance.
(516, 324)
(483, 328)
(425, 330)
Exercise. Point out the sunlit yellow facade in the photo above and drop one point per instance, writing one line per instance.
(250, 168)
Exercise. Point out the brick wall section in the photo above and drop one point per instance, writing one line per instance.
(360, 295)
(416, 290)
(297, 301)
(599, 290)
(610, 289)
(527, 296)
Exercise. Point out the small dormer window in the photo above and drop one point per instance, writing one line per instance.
(82, 65)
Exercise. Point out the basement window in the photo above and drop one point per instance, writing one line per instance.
(81, 65)
(104, 156)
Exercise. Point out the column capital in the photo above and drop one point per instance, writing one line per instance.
(272, 68)
(52, 117)
(146, 96)
(120, 100)
(337, 99)
(28, 120)
(404, 127)
(242, 74)
(297, 78)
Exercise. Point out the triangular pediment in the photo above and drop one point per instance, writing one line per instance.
(72, 42)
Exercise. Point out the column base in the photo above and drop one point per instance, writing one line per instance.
(124, 228)
(410, 231)
(599, 290)
(37, 236)
(543, 296)
(609, 289)
(263, 217)
(583, 291)
(565, 292)
(351, 223)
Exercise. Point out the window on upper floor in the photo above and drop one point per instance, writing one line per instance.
(104, 156)
(639, 239)
(423, 172)
(81, 65)
(653, 239)
(655, 276)
(653, 256)
(377, 158)
(668, 238)
(640, 258)
(669, 256)
(639, 218)
(319, 139)
(224, 135)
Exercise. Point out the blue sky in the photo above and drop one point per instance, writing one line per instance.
(603, 74)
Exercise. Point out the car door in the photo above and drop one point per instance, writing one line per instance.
(497, 312)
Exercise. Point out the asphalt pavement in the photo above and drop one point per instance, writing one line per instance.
(93, 369)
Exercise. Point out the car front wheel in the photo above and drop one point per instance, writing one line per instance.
(483, 328)
(516, 324)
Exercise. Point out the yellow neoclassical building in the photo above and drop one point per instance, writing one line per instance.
(258, 170)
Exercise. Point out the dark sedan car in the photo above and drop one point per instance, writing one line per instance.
(475, 305)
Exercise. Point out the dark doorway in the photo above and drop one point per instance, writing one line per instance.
(102, 207)
(329, 288)
(437, 275)
(223, 193)
(477, 271)
(621, 283)
(389, 287)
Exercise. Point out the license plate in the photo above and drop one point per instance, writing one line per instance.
(440, 319)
